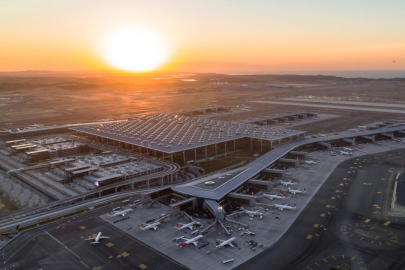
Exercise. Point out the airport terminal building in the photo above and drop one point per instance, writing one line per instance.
(184, 140)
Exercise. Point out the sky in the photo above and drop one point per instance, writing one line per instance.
(238, 36)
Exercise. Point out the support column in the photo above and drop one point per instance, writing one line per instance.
(184, 157)
(216, 152)
(195, 154)
(147, 184)
(206, 154)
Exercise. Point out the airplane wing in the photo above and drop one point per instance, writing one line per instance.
(102, 237)
(230, 244)
(182, 224)
(92, 238)
(219, 240)
(195, 243)
(189, 216)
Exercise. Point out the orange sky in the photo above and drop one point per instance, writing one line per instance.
(208, 36)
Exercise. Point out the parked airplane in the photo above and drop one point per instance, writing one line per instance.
(273, 196)
(347, 149)
(225, 242)
(295, 191)
(345, 153)
(119, 213)
(250, 213)
(193, 241)
(285, 206)
(310, 162)
(150, 226)
(97, 238)
(287, 183)
(190, 225)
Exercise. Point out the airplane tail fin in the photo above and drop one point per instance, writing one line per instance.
(178, 226)
(294, 206)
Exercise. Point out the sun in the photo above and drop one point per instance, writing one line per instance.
(135, 49)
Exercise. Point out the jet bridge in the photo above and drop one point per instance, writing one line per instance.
(265, 184)
(388, 135)
(350, 141)
(214, 208)
(288, 160)
(177, 207)
(242, 198)
(204, 231)
(275, 172)
(298, 154)
(327, 145)
(369, 138)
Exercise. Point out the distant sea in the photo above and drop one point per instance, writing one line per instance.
(372, 74)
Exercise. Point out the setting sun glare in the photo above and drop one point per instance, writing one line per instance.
(135, 49)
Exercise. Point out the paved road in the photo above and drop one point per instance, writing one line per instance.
(344, 222)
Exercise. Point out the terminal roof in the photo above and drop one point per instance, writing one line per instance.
(173, 133)
(242, 174)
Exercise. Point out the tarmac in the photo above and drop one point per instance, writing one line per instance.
(345, 222)
(268, 230)
(353, 194)
(62, 246)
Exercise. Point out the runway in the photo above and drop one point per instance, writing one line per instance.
(345, 222)
(328, 106)
(62, 246)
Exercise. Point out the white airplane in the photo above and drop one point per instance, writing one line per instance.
(225, 242)
(97, 238)
(296, 191)
(150, 226)
(285, 206)
(287, 183)
(347, 149)
(251, 213)
(119, 213)
(310, 162)
(273, 196)
(193, 241)
(363, 127)
(345, 153)
(181, 226)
